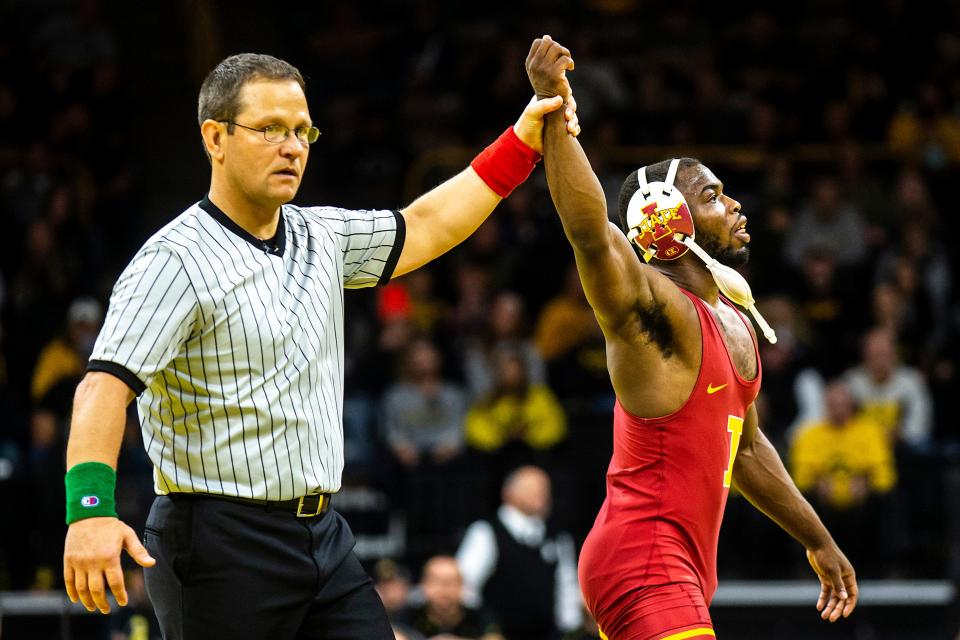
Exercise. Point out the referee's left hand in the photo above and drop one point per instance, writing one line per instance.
(91, 561)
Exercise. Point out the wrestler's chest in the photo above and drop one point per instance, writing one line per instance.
(739, 342)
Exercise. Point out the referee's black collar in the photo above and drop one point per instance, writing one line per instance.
(274, 246)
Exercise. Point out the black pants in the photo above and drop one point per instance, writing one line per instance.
(229, 570)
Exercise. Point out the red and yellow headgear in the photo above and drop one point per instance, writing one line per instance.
(658, 218)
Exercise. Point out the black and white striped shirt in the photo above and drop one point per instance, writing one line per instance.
(235, 345)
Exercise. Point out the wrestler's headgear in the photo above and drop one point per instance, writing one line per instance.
(661, 225)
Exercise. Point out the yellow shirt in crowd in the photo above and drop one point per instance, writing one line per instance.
(56, 362)
(536, 419)
(860, 448)
(564, 325)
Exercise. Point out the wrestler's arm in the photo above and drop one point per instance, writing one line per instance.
(760, 476)
(614, 280)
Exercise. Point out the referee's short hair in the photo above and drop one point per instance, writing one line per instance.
(220, 92)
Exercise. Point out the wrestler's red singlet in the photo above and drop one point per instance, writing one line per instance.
(667, 486)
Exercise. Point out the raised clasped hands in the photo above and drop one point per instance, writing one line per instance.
(547, 65)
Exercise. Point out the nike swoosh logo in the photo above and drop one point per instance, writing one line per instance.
(713, 389)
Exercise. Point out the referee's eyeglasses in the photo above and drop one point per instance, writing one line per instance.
(277, 133)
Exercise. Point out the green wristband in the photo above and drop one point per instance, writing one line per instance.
(90, 489)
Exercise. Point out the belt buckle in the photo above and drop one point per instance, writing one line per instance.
(301, 514)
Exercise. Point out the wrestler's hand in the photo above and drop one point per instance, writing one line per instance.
(838, 582)
(547, 65)
(91, 553)
(529, 128)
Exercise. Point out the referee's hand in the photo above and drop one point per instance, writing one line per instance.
(529, 128)
(91, 560)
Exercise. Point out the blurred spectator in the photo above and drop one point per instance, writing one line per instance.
(45, 480)
(519, 566)
(392, 581)
(65, 357)
(866, 192)
(567, 320)
(423, 423)
(43, 280)
(892, 311)
(845, 464)
(919, 267)
(829, 308)
(782, 397)
(516, 414)
(827, 220)
(474, 293)
(569, 339)
(912, 195)
(846, 457)
(443, 616)
(893, 394)
(769, 231)
(372, 358)
(505, 330)
(779, 183)
(925, 131)
(428, 311)
(423, 413)
(413, 297)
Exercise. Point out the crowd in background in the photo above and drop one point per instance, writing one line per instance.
(837, 128)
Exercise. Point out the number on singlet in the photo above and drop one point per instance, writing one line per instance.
(735, 427)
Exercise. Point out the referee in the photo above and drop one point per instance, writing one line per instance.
(227, 326)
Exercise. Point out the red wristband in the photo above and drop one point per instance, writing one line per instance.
(506, 163)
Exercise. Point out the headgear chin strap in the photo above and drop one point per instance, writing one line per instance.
(661, 225)
(734, 286)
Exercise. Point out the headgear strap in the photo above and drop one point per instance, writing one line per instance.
(642, 181)
(671, 175)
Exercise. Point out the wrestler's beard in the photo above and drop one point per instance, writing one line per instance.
(733, 258)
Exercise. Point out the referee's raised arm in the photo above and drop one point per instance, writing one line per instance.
(445, 216)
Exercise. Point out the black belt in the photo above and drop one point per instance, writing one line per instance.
(308, 506)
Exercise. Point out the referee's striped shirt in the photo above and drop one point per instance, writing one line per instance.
(234, 346)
